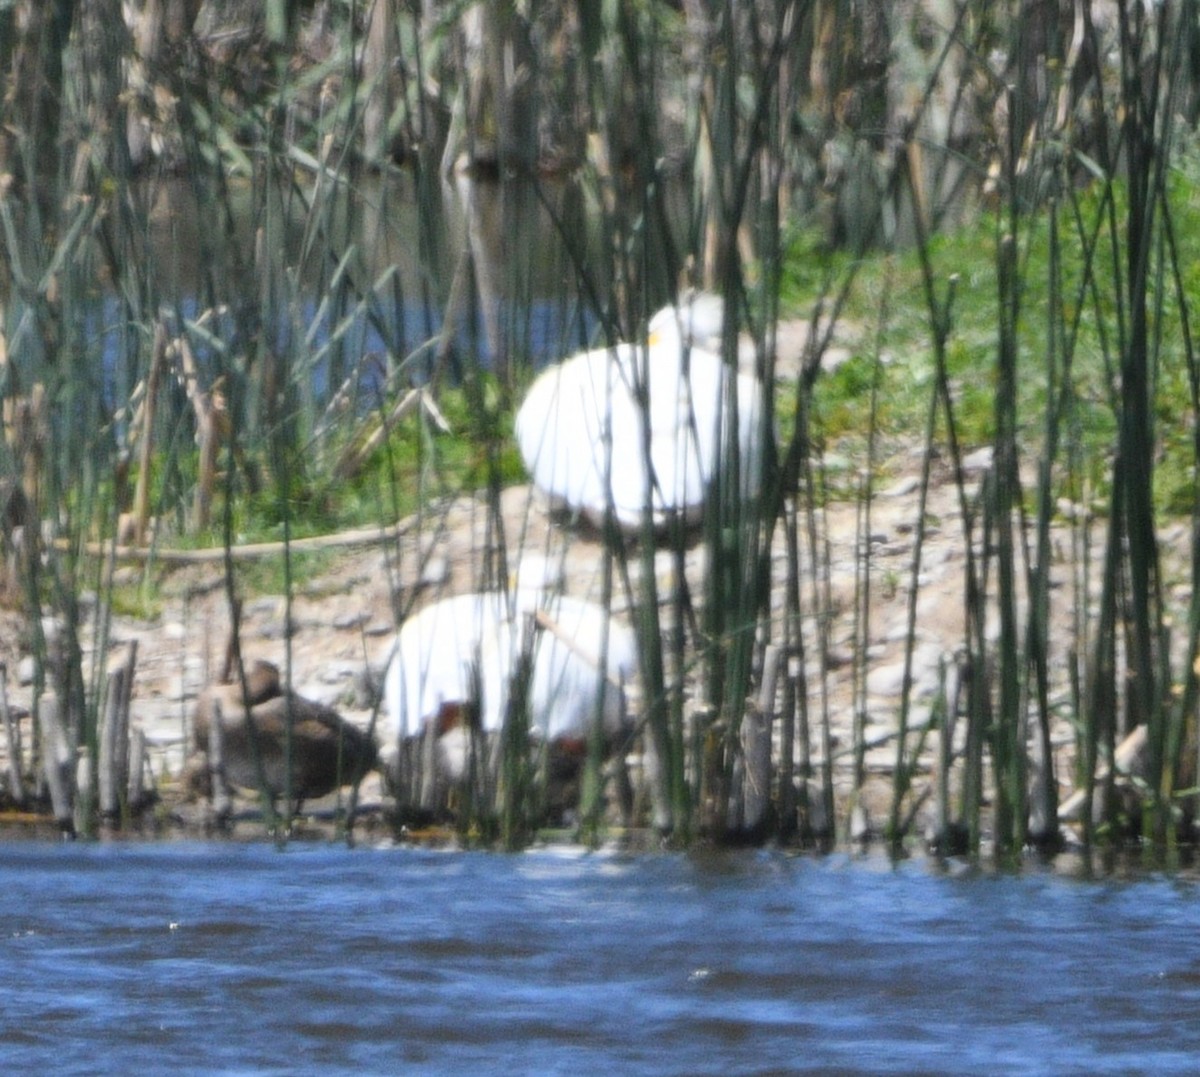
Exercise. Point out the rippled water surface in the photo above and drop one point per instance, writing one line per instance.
(319, 959)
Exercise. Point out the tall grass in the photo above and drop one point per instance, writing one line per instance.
(752, 149)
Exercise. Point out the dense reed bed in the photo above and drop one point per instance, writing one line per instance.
(235, 305)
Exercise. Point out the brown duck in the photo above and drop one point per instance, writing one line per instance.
(327, 751)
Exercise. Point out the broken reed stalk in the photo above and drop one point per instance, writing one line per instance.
(757, 729)
(12, 738)
(141, 495)
(114, 763)
(135, 796)
(113, 748)
(212, 429)
(57, 759)
(795, 750)
(356, 454)
(220, 798)
(948, 835)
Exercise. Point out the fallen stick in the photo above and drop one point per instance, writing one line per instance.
(363, 536)
(355, 456)
(1131, 763)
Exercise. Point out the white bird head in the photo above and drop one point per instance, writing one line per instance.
(696, 323)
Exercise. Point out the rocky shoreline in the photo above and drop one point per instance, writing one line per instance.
(336, 632)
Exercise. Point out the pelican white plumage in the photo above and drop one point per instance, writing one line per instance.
(461, 652)
(574, 411)
(567, 676)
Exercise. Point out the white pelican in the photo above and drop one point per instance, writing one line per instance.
(461, 652)
(566, 678)
(571, 411)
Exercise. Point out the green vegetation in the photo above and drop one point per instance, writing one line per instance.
(264, 285)
(970, 253)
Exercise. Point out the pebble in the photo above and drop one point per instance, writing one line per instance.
(886, 680)
(278, 628)
(979, 460)
(835, 658)
(435, 571)
(338, 672)
(1072, 510)
(265, 606)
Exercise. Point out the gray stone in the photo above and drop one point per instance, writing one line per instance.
(278, 628)
(265, 606)
(886, 680)
(979, 460)
(337, 672)
(350, 619)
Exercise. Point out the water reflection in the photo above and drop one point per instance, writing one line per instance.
(246, 958)
(501, 257)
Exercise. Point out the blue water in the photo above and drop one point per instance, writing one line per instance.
(238, 958)
(545, 331)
